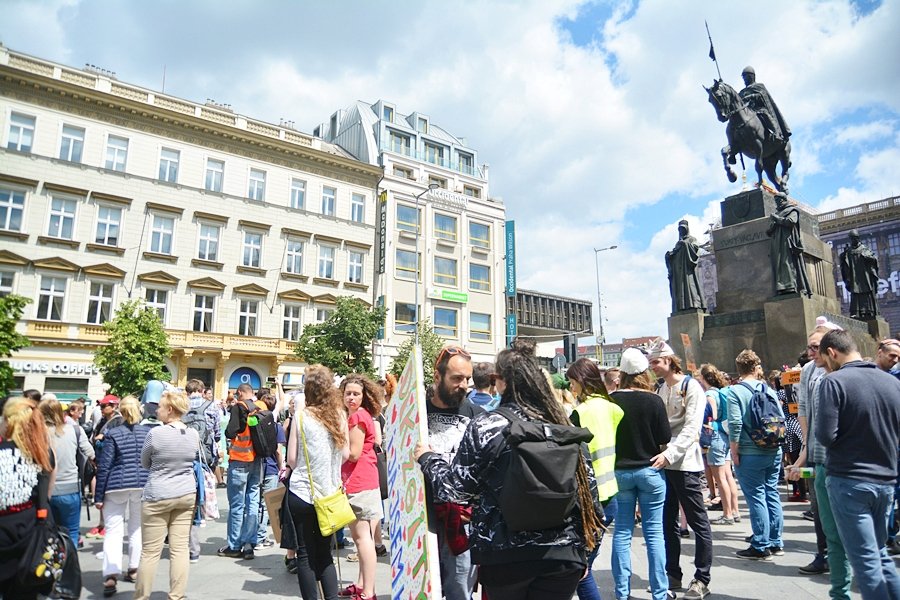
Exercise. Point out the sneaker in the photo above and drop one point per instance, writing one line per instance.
(291, 565)
(380, 550)
(737, 518)
(195, 558)
(350, 591)
(683, 532)
(715, 506)
(776, 550)
(752, 553)
(266, 543)
(353, 557)
(723, 520)
(809, 516)
(247, 554)
(818, 566)
(229, 553)
(749, 538)
(696, 591)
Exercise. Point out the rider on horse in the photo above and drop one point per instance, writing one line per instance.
(760, 101)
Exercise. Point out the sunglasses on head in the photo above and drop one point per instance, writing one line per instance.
(451, 351)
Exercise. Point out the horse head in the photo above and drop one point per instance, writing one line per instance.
(719, 98)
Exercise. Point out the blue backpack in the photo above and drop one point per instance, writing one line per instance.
(766, 418)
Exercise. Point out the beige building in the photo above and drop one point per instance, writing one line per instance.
(451, 235)
(238, 232)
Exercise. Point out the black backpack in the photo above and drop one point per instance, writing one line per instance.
(540, 487)
(263, 432)
(767, 428)
(196, 420)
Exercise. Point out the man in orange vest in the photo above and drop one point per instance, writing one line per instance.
(244, 475)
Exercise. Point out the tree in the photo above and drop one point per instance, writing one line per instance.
(11, 309)
(343, 342)
(431, 346)
(137, 349)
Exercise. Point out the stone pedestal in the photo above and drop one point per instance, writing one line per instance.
(691, 323)
(878, 328)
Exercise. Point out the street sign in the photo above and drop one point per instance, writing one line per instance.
(558, 362)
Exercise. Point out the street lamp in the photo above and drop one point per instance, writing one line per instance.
(600, 338)
(431, 186)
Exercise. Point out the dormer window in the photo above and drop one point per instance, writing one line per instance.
(387, 113)
(422, 125)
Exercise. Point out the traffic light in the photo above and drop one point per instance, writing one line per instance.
(570, 347)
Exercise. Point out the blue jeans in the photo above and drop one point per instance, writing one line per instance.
(243, 503)
(860, 509)
(458, 576)
(270, 482)
(758, 476)
(66, 511)
(587, 587)
(646, 487)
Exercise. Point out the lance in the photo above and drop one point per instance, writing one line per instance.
(712, 50)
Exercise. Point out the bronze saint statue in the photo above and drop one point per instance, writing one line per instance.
(859, 270)
(760, 101)
(681, 262)
(788, 268)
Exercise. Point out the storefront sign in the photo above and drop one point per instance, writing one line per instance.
(244, 375)
(414, 554)
(53, 368)
(448, 199)
(382, 230)
(511, 258)
(511, 328)
(448, 295)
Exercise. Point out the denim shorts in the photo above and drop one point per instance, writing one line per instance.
(719, 450)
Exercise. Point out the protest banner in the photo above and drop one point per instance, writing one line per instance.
(414, 551)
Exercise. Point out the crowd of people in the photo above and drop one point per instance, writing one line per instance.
(657, 447)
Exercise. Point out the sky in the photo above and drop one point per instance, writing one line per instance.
(591, 114)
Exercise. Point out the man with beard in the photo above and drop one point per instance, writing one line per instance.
(449, 413)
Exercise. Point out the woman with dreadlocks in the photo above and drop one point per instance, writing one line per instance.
(546, 563)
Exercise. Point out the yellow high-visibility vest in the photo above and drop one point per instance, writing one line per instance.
(601, 417)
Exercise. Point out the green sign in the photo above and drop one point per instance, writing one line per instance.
(448, 295)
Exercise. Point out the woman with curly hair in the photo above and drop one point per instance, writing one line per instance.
(546, 563)
(25, 479)
(363, 399)
(316, 449)
(714, 383)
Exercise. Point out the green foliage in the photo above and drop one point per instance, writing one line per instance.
(431, 346)
(137, 350)
(11, 309)
(343, 342)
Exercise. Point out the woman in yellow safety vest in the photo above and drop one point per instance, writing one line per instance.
(601, 417)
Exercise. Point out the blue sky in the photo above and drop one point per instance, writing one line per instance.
(590, 114)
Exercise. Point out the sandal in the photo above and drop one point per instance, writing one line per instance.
(130, 576)
(109, 590)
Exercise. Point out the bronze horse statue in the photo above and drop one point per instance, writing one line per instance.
(747, 135)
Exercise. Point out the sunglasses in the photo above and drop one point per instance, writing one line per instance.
(813, 347)
(450, 352)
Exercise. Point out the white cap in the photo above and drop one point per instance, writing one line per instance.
(660, 348)
(633, 362)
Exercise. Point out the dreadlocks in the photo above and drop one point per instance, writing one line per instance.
(527, 387)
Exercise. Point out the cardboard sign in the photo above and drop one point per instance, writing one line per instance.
(415, 573)
(793, 408)
(689, 361)
(790, 377)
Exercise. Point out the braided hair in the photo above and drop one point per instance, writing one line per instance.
(527, 387)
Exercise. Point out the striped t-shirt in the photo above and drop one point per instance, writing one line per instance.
(169, 453)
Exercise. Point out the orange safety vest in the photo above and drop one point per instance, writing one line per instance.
(242, 446)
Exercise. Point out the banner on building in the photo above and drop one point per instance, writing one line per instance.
(511, 258)
(414, 552)
(382, 230)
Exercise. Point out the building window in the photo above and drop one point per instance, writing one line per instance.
(355, 267)
(445, 271)
(6, 283)
(323, 314)
(12, 206)
(109, 221)
(21, 132)
(50, 301)
(479, 277)
(257, 189)
(357, 208)
(158, 300)
(405, 265)
(872, 243)
(438, 181)
(168, 165)
(445, 227)
(215, 174)
(434, 153)
(294, 257)
(446, 321)
(472, 192)
(298, 194)
(326, 262)
(116, 153)
(466, 163)
(893, 240)
(252, 249)
(387, 113)
(208, 248)
(204, 307)
(404, 317)
(99, 303)
(408, 218)
(328, 196)
(71, 144)
(291, 325)
(400, 143)
(480, 327)
(479, 235)
(161, 234)
(422, 125)
(403, 172)
(62, 218)
(247, 316)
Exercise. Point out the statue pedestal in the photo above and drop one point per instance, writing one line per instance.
(691, 323)
(878, 328)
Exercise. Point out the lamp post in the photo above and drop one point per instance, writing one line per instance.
(600, 338)
(431, 186)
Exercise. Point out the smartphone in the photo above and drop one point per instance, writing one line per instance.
(270, 380)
